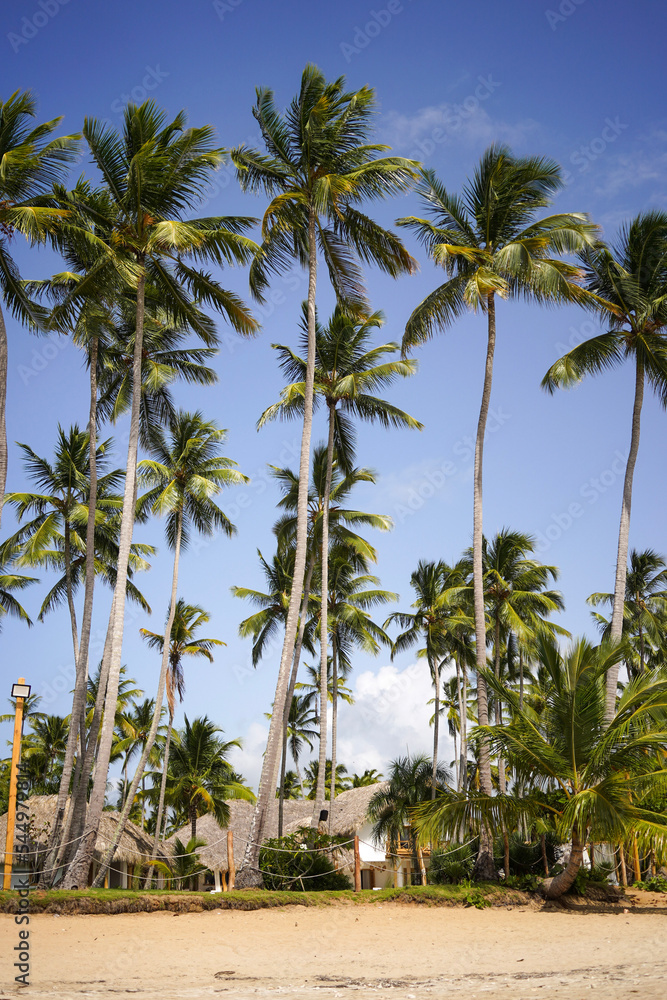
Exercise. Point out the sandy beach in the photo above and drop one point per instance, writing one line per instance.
(396, 950)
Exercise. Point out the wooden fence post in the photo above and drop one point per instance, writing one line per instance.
(357, 865)
(231, 877)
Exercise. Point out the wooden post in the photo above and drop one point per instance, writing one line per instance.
(231, 871)
(621, 861)
(13, 780)
(638, 869)
(357, 865)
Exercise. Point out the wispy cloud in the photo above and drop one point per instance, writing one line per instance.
(429, 127)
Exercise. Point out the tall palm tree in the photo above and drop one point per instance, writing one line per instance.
(438, 588)
(11, 581)
(594, 772)
(186, 475)
(135, 727)
(629, 281)
(200, 776)
(645, 615)
(391, 808)
(318, 167)
(184, 641)
(43, 750)
(489, 242)
(300, 731)
(154, 172)
(31, 163)
(348, 374)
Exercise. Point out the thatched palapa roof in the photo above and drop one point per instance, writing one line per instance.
(134, 847)
(349, 815)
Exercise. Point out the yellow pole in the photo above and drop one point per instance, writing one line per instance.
(13, 779)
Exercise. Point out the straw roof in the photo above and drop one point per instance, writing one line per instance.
(349, 815)
(134, 847)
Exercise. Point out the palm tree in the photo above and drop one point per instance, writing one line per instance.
(348, 375)
(438, 588)
(154, 171)
(645, 615)
(183, 480)
(135, 730)
(200, 776)
(629, 280)
(43, 750)
(312, 777)
(31, 165)
(490, 243)
(317, 169)
(299, 731)
(391, 808)
(184, 641)
(11, 581)
(371, 776)
(593, 772)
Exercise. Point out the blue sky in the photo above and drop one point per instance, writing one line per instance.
(550, 79)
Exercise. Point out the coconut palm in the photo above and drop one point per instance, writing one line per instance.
(154, 172)
(391, 808)
(438, 613)
(371, 776)
(594, 772)
(10, 582)
(186, 475)
(200, 777)
(135, 729)
(311, 774)
(629, 280)
(184, 641)
(31, 164)
(645, 615)
(300, 731)
(489, 242)
(43, 750)
(348, 374)
(317, 169)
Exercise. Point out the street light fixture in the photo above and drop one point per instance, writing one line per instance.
(20, 691)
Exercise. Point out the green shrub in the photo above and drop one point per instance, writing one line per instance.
(656, 883)
(296, 863)
(451, 866)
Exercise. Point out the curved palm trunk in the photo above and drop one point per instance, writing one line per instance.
(436, 725)
(78, 870)
(152, 733)
(498, 705)
(459, 699)
(81, 650)
(484, 867)
(334, 727)
(464, 728)
(616, 629)
(160, 809)
(247, 874)
(320, 791)
(3, 405)
(555, 887)
(291, 689)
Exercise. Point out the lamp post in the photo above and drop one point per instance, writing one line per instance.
(20, 691)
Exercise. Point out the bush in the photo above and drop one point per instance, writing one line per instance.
(525, 883)
(451, 866)
(656, 883)
(295, 863)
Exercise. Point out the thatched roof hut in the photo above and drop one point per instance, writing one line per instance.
(349, 816)
(134, 846)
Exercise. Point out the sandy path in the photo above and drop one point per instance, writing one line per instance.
(402, 951)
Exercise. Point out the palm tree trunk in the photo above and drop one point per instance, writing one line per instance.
(520, 678)
(616, 629)
(193, 821)
(78, 870)
(464, 728)
(484, 868)
(163, 789)
(320, 790)
(81, 654)
(281, 792)
(498, 705)
(543, 852)
(246, 876)
(3, 406)
(554, 888)
(436, 725)
(152, 733)
(334, 726)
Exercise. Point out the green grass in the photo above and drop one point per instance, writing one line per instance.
(130, 901)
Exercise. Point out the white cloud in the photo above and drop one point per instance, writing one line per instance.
(421, 133)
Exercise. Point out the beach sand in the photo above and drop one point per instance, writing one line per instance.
(348, 951)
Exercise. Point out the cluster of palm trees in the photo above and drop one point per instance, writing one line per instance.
(138, 284)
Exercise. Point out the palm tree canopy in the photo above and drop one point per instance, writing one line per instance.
(349, 372)
(629, 281)
(318, 159)
(489, 241)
